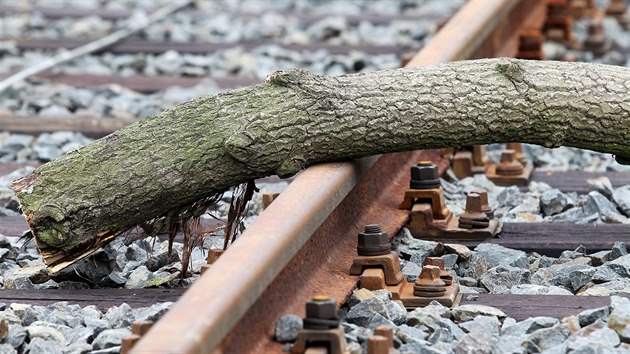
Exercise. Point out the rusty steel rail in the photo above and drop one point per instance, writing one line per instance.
(303, 244)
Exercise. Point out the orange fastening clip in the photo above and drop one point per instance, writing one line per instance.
(374, 251)
(619, 10)
(431, 219)
(434, 282)
(466, 163)
(138, 329)
(596, 41)
(321, 328)
(558, 22)
(510, 171)
(382, 342)
(582, 8)
(530, 45)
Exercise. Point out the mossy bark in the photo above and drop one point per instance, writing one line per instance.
(165, 164)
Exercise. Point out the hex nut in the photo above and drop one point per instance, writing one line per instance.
(424, 175)
(373, 241)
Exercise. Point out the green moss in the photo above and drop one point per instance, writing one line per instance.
(161, 281)
(51, 237)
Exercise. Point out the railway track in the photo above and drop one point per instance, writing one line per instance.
(311, 250)
(304, 243)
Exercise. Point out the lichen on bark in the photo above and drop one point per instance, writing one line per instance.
(163, 165)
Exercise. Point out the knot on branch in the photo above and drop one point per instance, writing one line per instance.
(241, 147)
(292, 78)
(511, 69)
(285, 78)
(238, 146)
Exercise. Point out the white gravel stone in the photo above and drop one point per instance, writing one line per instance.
(619, 319)
(589, 316)
(601, 185)
(621, 265)
(43, 346)
(45, 333)
(468, 312)
(553, 202)
(497, 255)
(533, 289)
(546, 338)
(499, 280)
(139, 278)
(529, 325)
(614, 287)
(110, 338)
(119, 316)
(596, 203)
(621, 197)
(287, 328)
(6, 348)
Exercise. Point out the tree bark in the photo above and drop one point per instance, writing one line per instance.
(172, 162)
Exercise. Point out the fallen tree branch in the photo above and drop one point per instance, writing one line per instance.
(166, 166)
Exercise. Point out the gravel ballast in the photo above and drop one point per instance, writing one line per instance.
(70, 329)
(484, 329)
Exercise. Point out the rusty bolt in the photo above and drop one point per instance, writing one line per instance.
(530, 39)
(385, 331)
(448, 152)
(619, 9)
(518, 150)
(141, 327)
(485, 205)
(582, 8)
(557, 9)
(321, 313)
(530, 44)
(373, 241)
(480, 157)
(596, 40)
(439, 262)
(429, 283)
(595, 27)
(378, 345)
(128, 343)
(4, 329)
(473, 217)
(509, 166)
(616, 8)
(424, 175)
(138, 329)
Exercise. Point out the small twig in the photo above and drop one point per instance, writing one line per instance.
(194, 236)
(130, 28)
(237, 207)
